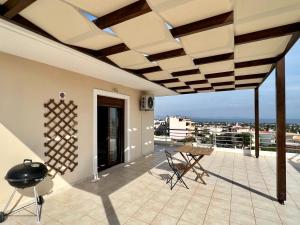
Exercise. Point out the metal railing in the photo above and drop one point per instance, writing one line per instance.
(223, 139)
(237, 140)
(267, 142)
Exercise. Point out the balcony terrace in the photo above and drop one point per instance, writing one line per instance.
(240, 189)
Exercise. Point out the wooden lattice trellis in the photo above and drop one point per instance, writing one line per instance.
(61, 136)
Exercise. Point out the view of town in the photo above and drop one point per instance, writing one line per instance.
(224, 134)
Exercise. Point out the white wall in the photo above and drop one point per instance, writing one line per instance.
(25, 86)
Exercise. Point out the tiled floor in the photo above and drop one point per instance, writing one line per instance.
(239, 190)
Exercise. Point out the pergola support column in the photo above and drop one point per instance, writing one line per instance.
(256, 112)
(280, 131)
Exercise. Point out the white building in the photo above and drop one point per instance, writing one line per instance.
(180, 128)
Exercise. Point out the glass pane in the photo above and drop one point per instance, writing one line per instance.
(113, 134)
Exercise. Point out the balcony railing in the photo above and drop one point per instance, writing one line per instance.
(235, 140)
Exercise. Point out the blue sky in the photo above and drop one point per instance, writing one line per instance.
(238, 104)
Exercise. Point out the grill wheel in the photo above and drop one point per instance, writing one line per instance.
(2, 217)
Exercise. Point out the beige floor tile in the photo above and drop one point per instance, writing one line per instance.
(266, 214)
(145, 214)
(215, 221)
(243, 209)
(242, 219)
(218, 213)
(133, 221)
(86, 220)
(163, 219)
(194, 217)
(155, 205)
(260, 221)
(183, 222)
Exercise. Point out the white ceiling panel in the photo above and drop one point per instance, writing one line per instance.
(249, 81)
(258, 15)
(201, 85)
(252, 70)
(175, 11)
(146, 33)
(100, 7)
(261, 49)
(57, 18)
(184, 90)
(217, 67)
(95, 39)
(129, 59)
(221, 79)
(191, 77)
(211, 42)
(159, 75)
(176, 63)
(175, 84)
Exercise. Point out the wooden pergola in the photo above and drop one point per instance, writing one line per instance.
(251, 43)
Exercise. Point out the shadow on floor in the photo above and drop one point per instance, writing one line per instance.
(295, 162)
(243, 186)
(107, 185)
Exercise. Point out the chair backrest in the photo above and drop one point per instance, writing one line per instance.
(170, 160)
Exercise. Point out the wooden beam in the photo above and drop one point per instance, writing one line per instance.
(222, 83)
(280, 131)
(196, 82)
(166, 55)
(247, 85)
(218, 75)
(257, 62)
(214, 58)
(225, 89)
(267, 34)
(203, 25)
(123, 14)
(148, 70)
(11, 8)
(251, 76)
(185, 72)
(204, 89)
(256, 115)
(187, 92)
(167, 81)
(180, 87)
(111, 50)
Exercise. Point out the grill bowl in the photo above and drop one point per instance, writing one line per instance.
(26, 174)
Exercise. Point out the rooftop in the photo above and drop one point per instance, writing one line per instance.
(240, 189)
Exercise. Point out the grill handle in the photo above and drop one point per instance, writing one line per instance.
(27, 162)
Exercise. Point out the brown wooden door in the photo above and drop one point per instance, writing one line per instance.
(110, 132)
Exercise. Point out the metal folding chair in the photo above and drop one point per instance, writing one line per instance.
(178, 171)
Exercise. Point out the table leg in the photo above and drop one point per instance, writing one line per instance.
(191, 166)
(201, 168)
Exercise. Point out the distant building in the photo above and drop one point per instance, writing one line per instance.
(180, 128)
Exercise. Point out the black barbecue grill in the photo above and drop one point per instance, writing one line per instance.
(25, 175)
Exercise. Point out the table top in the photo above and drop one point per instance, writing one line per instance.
(194, 150)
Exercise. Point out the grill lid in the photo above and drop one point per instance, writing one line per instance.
(26, 171)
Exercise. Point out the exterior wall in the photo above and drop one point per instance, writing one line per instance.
(177, 128)
(25, 86)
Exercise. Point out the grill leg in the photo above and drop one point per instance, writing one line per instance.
(38, 212)
(9, 201)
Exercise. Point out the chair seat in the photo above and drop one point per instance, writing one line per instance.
(180, 166)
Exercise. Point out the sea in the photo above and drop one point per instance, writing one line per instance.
(238, 120)
(242, 120)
